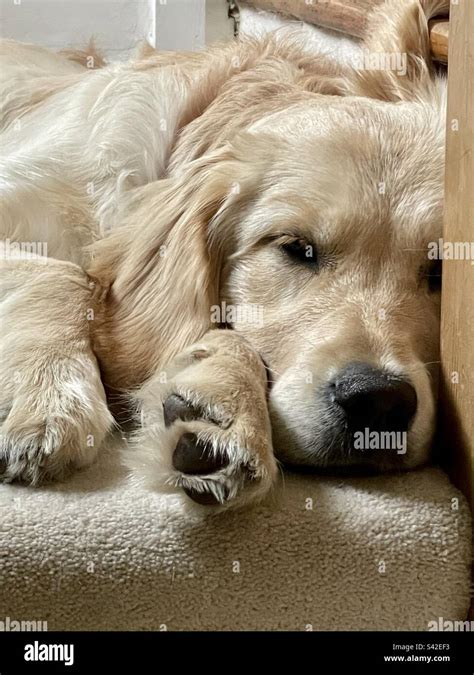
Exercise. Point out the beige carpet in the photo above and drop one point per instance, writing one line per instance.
(98, 553)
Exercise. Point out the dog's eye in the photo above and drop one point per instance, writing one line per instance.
(433, 276)
(300, 250)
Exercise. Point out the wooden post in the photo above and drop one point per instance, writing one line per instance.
(439, 37)
(349, 17)
(457, 313)
(457, 306)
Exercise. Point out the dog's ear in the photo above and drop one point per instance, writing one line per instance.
(396, 63)
(159, 272)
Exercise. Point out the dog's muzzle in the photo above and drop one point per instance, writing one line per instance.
(371, 398)
(371, 412)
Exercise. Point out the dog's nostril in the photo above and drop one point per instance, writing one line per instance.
(373, 399)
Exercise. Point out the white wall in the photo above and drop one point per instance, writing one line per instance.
(116, 25)
(180, 24)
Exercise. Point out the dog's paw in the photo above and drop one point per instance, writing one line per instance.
(218, 458)
(53, 409)
(207, 431)
(54, 422)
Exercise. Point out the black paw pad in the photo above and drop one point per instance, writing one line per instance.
(195, 457)
(176, 408)
(204, 498)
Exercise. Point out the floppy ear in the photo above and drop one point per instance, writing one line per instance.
(396, 64)
(158, 274)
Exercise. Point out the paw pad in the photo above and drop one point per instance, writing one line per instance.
(176, 408)
(204, 498)
(192, 456)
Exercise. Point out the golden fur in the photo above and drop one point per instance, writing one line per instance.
(172, 180)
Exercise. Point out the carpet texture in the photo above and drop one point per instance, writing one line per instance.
(97, 552)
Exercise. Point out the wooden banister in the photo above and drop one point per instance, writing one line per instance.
(457, 315)
(349, 17)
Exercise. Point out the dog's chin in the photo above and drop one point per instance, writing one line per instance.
(329, 449)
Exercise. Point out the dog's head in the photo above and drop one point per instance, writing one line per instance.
(310, 235)
(329, 275)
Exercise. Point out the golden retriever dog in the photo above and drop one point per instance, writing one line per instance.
(233, 240)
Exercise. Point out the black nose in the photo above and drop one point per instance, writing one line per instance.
(373, 399)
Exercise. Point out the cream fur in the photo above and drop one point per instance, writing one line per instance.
(53, 409)
(171, 179)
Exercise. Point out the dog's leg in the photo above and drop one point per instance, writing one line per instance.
(53, 410)
(205, 427)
